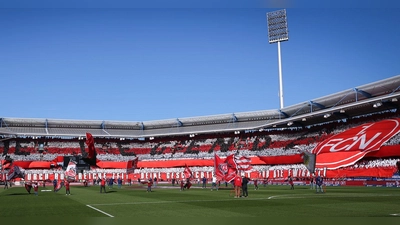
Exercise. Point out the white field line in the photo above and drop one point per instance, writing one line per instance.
(109, 215)
(247, 199)
(230, 199)
(186, 201)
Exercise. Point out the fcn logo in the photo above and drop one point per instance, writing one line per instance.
(365, 138)
(223, 167)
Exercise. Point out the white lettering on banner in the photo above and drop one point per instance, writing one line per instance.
(296, 172)
(40, 176)
(29, 176)
(34, 176)
(46, 176)
(56, 176)
(363, 145)
(333, 144)
(347, 144)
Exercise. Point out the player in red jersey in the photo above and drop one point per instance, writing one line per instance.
(237, 184)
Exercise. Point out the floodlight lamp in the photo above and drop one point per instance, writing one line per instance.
(394, 99)
(378, 104)
(277, 26)
(327, 115)
(304, 119)
(290, 123)
(342, 111)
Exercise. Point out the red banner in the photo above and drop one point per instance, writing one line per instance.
(188, 173)
(224, 169)
(348, 147)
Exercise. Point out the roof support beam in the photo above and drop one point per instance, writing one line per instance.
(317, 104)
(284, 114)
(234, 118)
(364, 93)
(179, 123)
(46, 123)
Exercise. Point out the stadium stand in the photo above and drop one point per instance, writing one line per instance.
(196, 140)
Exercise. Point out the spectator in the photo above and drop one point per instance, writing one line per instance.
(214, 183)
(245, 181)
(55, 185)
(36, 188)
(119, 181)
(204, 182)
(182, 185)
(290, 181)
(155, 181)
(255, 184)
(187, 184)
(149, 184)
(67, 191)
(103, 185)
(110, 183)
(318, 182)
(237, 182)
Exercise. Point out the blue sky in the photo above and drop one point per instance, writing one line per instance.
(141, 64)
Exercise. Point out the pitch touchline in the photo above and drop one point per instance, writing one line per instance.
(163, 202)
(234, 199)
(107, 214)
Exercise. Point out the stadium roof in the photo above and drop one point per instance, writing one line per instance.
(370, 98)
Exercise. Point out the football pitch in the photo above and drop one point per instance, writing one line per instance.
(169, 202)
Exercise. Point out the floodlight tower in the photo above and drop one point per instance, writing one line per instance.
(278, 32)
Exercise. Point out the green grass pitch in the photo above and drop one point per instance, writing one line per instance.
(167, 201)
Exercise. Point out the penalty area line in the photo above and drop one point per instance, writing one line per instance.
(98, 210)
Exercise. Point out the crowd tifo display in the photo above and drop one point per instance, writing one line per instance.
(362, 147)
